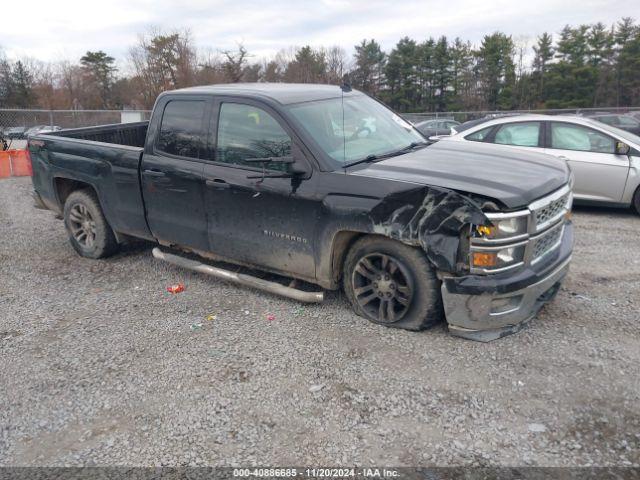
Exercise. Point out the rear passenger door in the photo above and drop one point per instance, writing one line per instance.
(266, 222)
(600, 174)
(171, 171)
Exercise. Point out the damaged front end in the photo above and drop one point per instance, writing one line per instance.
(497, 268)
(432, 218)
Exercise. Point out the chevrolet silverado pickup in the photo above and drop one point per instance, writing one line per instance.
(325, 185)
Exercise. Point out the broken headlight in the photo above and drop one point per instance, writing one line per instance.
(505, 226)
(501, 245)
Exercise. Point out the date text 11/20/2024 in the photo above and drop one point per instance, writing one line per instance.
(315, 472)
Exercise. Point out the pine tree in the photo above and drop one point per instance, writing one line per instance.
(99, 68)
(543, 55)
(22, 81)
(401, 73)
(497, 70)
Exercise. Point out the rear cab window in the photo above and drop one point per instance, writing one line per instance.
(181, 129)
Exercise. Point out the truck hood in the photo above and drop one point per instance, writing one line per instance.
(514, 177)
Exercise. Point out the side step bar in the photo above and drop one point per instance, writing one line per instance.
(240, 278)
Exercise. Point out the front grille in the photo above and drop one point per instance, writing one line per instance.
(547, 214)
(546, 243)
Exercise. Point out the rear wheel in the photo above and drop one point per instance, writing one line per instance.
(636, 200)
(392, 284)
(89, 233)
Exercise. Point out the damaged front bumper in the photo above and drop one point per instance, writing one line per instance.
(487, 307)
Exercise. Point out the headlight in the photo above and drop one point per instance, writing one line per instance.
(507, 226)
(494, 259)
(501, 245)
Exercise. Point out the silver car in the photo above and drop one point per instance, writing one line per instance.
(605, 160)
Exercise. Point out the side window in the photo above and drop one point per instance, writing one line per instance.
(480, 135)
(609, 120)
(567, 136)
(627, 121)
(247, 132)
(181, 128)
(522, 134)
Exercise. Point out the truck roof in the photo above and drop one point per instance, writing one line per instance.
(283, 93)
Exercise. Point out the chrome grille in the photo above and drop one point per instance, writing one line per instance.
(546, 243)
(548, 210)
(552, 210)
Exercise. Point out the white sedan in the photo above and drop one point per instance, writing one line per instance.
(605, 160)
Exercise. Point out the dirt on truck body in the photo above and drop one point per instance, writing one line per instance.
(326, 185)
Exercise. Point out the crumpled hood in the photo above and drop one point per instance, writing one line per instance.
(514, 177)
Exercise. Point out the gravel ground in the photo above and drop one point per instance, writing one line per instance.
(100, 366)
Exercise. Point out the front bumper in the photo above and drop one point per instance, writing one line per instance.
(488, 307)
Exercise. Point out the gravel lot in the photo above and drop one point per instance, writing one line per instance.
(100, 366)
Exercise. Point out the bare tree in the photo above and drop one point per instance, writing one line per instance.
(163, 61)
(336, 61)
(235, 63)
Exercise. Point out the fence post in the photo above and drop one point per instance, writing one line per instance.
(51, 118)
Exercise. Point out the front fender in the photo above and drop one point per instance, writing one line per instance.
(428, 217)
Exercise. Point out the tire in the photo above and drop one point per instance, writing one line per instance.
(636, 200)
(89, 233)
(410, 286)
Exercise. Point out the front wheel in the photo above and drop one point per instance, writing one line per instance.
(392, 284)
(89, 233)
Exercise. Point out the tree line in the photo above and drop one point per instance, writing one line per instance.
(580, 67)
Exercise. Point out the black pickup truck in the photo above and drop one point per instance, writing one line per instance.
(326, 185)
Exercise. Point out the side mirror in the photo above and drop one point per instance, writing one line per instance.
(294, 165)
(622, 148)
(300, 165)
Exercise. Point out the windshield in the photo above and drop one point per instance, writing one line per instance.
(363, 128)
(623, 134)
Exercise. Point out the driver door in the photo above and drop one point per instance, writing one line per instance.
(253, 219)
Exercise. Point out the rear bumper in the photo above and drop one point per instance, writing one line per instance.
(493, 308)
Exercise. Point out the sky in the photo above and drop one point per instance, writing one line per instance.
(66, 29)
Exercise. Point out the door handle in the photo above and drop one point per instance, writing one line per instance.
(217, 183)
(154, 173)
(562, 157)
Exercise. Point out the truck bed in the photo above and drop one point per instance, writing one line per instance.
(130, 134)
(105, 158)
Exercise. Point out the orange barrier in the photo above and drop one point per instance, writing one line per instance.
(5, 165)
(15, 163)
(21, 163)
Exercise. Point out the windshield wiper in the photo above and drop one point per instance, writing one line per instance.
(394, 153)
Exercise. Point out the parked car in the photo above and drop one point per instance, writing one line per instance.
(322, 184)
(430, 128)
(624, 122)
(635, 114)
(41, 129)
(605, 160)
(14, 133)
(477, 121)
